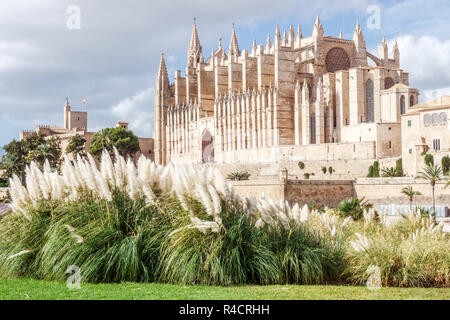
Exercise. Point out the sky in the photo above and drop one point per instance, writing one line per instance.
(108, 51)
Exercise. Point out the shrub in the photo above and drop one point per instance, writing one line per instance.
(429, 159)
(324, 170)
(413, 253)
(371, 172)
(235, 254)
(304, 258)
(399, 168)
(445, 161)
(374, 170)
(389, 172)
(354, 207)
(122, 222)
(301, 165)
(239, 175)
(173, 224)
(330, 170)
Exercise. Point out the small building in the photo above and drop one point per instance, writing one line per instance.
(75, 123)
(425, 129)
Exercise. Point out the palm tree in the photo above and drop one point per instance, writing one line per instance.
(389, 172)
(432, 173)
(12, 164)
(410, 193)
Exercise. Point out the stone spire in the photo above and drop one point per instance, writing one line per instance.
(318, 29)
(277, 37)
(195, 49)
(234, 47)
(360, 45)
(254, 47)
(299, 33)
(268, 43)
(291, 36)
(285, 39)
(358, 37)
(163, 78)
(384, 50)
(396, 53)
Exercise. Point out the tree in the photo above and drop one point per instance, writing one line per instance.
(34, 147)
(410, 193)
(125, 141)
(399, 168)
(429, 159)
(433, 174)
(445, 161)
(49, 150)
(376, 169)
(77, 146)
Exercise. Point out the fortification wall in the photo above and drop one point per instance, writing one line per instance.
(378, 191)
(387, 191)
(342, 169)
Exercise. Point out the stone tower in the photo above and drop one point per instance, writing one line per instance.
(161, 100)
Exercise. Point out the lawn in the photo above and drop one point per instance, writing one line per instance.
(29, 289)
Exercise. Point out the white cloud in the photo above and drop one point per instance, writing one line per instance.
(427, 59)
(112, 60)
(136, 111)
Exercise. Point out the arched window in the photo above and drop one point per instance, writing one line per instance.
(402, 105)
(369, 102)
(442, 118)
(434, 119)
(426, 120)
(337, 59)
(411, 101)
(312, 128)
(388, 83)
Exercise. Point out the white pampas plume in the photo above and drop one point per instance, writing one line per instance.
(78, 238)
(304, 214)
(215, 200)
(18, 254)
(107, 168)
(119, 169)
(133, 185)
(259, 223)
(345, 222)
(296, 213)
(361, 244)
(205, 199)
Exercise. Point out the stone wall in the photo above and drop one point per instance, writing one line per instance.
(329, 193)
(342, 169)
(387, 191)
(379, 191)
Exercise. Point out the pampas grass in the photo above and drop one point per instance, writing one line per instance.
(121, 221)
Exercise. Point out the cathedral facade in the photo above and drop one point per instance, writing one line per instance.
(294, 98)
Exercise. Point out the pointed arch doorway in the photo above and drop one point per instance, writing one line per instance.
(207, 147)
